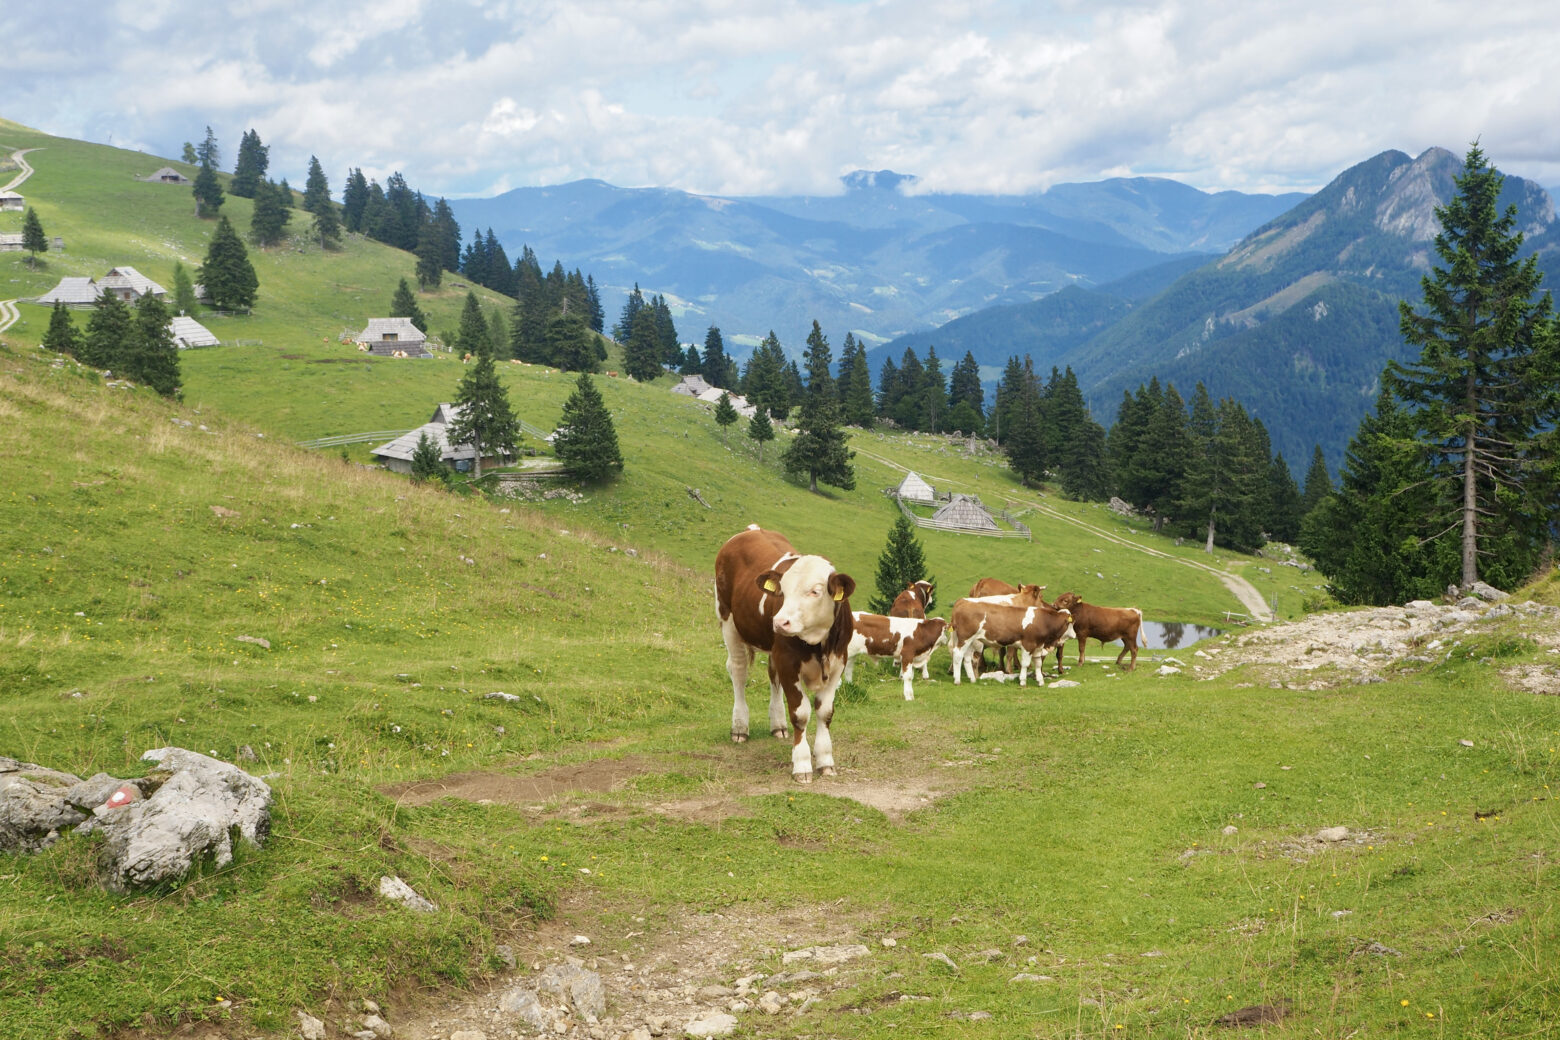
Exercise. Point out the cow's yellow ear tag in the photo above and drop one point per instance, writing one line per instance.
(839, 594)
(770, 586)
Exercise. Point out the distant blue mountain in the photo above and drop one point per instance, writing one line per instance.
(878, 259)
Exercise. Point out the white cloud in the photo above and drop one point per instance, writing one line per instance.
(716, 96)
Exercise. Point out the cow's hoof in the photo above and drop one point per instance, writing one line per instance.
(739, 738)
(827, 771)
(780, 734)
(802, 778)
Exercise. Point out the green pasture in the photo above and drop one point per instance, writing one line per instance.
(1151, 839)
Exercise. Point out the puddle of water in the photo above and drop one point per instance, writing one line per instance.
(1173, 635)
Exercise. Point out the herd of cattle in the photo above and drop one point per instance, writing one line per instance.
(796, 609)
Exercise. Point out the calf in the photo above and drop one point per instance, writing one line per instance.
(909, 641)
(995, 590)
(912, 602)
(1032, 629)
(797, 609)
(1104, 624)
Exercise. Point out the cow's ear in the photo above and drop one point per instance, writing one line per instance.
(841, 586)
(769, 581)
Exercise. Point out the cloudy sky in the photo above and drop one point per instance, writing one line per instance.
(783, 97)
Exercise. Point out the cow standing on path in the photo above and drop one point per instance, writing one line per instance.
(1104, 624)
(797, 609)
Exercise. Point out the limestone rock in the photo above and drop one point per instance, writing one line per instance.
(522, 1004)
(398, 891)
(1488, 593)
(771, 1003)
(378, 1027)
(190, 816)
(468, 1034)
(715, 1023)
(578, 986)
(311, 1027)
(34, 806)
(826, 954)
(1333, 834)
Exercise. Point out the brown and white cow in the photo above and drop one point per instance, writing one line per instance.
(912, 602)
(995, 590)
(1104, 624)
(1034, 630)
(797, 609)
(909, 641)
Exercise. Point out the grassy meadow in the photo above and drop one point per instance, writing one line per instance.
(140, 538)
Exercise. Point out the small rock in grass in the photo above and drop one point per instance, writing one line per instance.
(715, 1023)
(941, 958)
(1333, 834)
(311, 1027)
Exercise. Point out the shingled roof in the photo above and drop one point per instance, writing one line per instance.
(73, 291)
(967, 512)
(131, 280)
(187, 332)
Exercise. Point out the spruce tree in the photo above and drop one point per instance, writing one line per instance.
(206, 188)
(587, 441)
(33, 238)
(820, 449)
(725, 416)
(597, 316)
(473, 335)
(1484, 387)
(1365, 537)
(270, 216)
(761, 430)
(858, 406)
(718, 368)
(1318, 482)
(498, 335)
(570, 344)
(1161, 465)
(1078, 452)
(430, 256)
(427, 460)
(933, 398)
(184, 301)
(1023, 439)
(763, 383)
(642, 351)
(690, 364)
(109, 334)
(1285, 510)
(901, 562)
(354, 200)
(631, 308)
(964, 385)
(888, 390)
(152, 359)
(484, 418)
(403, 304)
(62, 336)
(250, 166)
(227, 275)
(907, 409)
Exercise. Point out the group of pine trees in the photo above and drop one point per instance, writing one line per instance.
(134, 343)
(1204, 470)
(1455, 477)
(648, 335)
(916, 396)
(716, 366)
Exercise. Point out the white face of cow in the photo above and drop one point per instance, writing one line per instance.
(807, 606)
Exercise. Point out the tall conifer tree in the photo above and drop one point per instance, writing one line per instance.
(820, 449)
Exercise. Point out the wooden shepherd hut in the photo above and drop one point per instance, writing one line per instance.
(393, 337)
(966, 512)
(914, 489)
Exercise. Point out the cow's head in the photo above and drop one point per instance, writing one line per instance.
(923, 592)
(1067, 600)
(1030, 596)
(811, 593)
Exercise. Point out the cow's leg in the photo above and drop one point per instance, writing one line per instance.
(801, 754)
(1081, 641)
(906, 662)
(972, 653)
(1128, 642)
(777, 704)
(1024, 659)
(823, 742)
(739, 658)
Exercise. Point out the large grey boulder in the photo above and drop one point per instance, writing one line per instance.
(193, 814)
(577, 986)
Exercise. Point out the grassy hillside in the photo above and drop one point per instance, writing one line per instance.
(1151, 837)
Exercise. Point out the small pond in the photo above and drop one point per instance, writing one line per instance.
(1173, 635)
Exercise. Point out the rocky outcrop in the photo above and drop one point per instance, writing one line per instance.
(188, 809)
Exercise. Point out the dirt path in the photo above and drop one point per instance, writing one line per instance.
(1250, 599)
(26, 170)
(9, 315)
